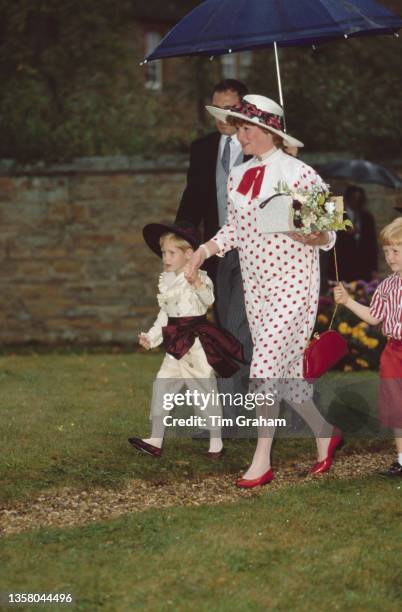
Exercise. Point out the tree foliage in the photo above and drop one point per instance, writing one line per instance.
(343, 96)
(71, 86)
(58, 65)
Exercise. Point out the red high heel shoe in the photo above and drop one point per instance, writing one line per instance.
(336, 442)
(245, 483)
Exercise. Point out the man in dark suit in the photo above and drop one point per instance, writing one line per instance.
(204, 203)
(356, 249)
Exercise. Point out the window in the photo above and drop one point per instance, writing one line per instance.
(229, 66)
(153, 76)
(245, 63)
(236, 65)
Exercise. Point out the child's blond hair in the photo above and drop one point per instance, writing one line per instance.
(392, 233)
(178, 241)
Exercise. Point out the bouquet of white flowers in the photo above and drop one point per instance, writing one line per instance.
(315, 209)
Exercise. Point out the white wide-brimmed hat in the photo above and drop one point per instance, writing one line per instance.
(260, 111)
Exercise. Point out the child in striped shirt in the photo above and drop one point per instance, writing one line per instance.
(386, 308)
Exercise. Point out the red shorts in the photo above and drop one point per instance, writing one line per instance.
(391, 384)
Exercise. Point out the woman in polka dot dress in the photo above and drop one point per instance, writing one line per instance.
(280, 273)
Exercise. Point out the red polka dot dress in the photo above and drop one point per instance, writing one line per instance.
(280, 275)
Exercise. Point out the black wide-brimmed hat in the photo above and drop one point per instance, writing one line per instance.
(153, 232)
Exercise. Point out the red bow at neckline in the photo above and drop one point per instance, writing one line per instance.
(252, 178)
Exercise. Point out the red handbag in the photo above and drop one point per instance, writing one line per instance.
(324, 350)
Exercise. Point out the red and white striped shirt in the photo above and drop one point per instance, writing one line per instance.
(386, 306)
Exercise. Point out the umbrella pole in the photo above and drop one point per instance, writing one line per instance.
(278, 75)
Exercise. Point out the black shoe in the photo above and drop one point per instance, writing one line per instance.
(144, 447)
(394, 470)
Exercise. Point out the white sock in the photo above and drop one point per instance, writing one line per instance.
(400, 458)
(157, 434)
(154, 441)
(215, 443)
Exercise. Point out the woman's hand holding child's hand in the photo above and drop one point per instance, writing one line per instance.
(144, 342)
(191, 275)
(341, 296)
(195, 263)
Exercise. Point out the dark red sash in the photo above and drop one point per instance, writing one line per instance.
(221, 348)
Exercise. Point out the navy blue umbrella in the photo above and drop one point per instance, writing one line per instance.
(217, 27)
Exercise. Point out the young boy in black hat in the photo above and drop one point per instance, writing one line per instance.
(194, 347)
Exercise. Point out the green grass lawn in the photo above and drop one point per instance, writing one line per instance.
(325, 545)
(65, 420)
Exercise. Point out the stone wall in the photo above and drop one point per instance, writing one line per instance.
(73, 265)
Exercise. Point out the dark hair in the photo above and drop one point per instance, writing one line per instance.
(351, 190)
(231, 85)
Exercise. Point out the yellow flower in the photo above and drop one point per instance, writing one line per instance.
(344, 328)
(359, 334)
(362, 325)
(362, 362)
(348, 368)
(322, 318)
(372, 342)
(356, 332)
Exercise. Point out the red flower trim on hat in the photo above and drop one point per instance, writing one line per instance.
(251, 110)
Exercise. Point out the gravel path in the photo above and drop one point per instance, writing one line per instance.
(67, 507)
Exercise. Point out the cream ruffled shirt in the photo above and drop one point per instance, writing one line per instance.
(178, 298)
